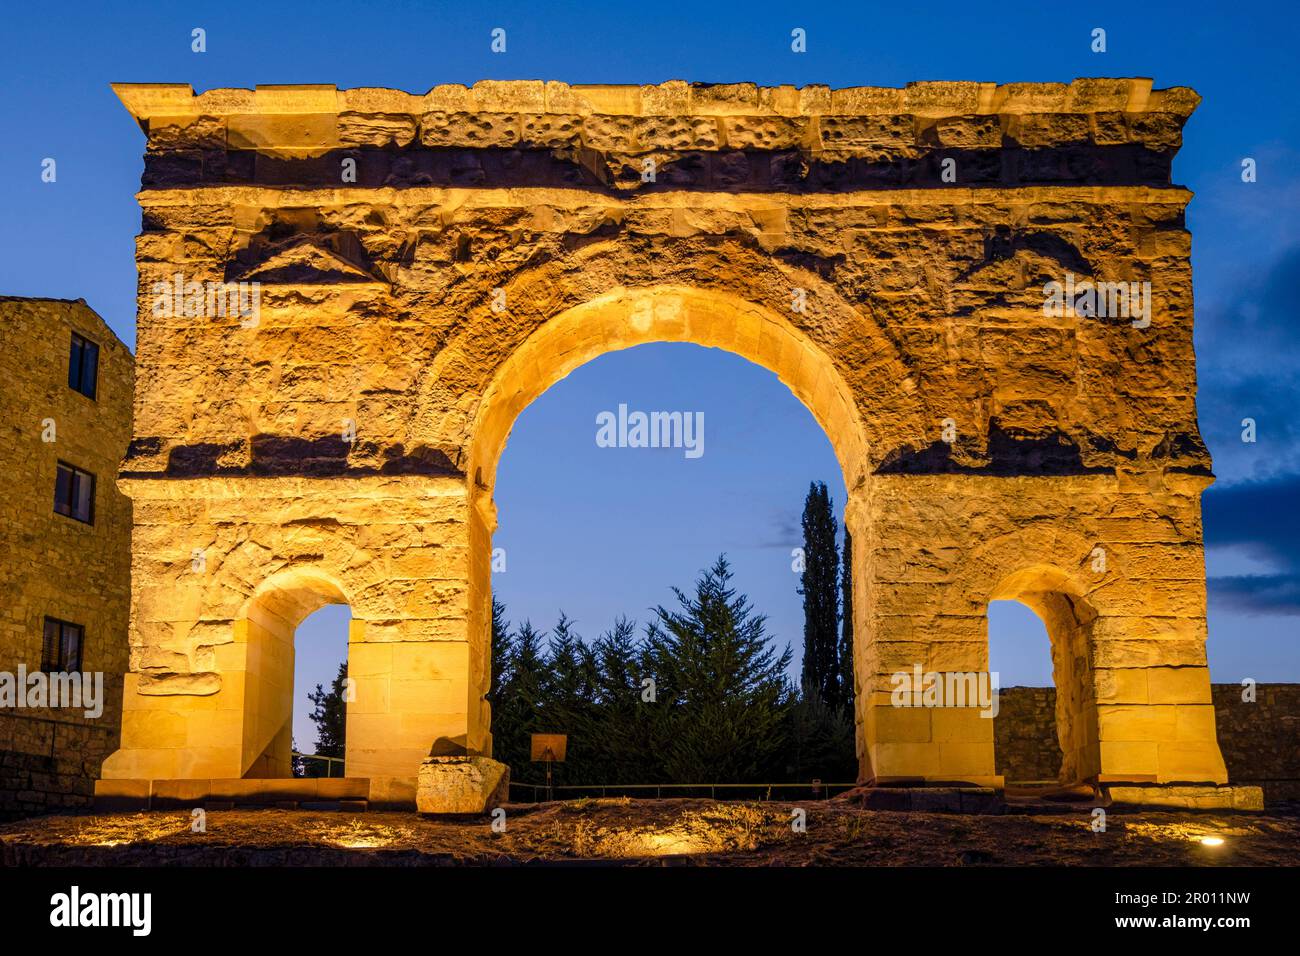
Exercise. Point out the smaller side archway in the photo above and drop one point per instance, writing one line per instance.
(1068, 618)
(262, 664)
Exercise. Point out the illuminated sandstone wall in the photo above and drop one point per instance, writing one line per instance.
(52, 565)
(429, 264)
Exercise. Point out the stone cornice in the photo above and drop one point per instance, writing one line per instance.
(935, 100)
(723, 137)
(221, 195)
(143, 486)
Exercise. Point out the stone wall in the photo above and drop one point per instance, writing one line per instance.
(1024, 734)
(52, 565)
(50, 764)
(1260, 740)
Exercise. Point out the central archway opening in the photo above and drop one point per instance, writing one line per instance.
(623, 319)
(596, 530)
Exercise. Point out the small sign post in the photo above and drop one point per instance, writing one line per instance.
(551, 749)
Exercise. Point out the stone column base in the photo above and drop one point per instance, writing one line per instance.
(461, 785)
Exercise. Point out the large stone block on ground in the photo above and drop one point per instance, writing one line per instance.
(461, 785)
(1190, 797)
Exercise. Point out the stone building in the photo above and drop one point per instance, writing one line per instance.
(65, 388)
(982, 293)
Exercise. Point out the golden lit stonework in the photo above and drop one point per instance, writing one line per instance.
(347, 297)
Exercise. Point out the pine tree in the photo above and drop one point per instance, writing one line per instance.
(516, 711)
(846, 626)
(723, 688)
(502, 652)
(568, 693)
(329, 714)
(627, 711)
(819, 585)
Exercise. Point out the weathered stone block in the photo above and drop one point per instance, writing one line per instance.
(469, 129)
(1044, 129)
(1189, 797)
(376, 129)
(968, 131)
(839, 132)
(1178, 685)
(454, 785)
(617, 133)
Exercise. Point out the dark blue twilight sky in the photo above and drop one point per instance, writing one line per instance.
(652, 518)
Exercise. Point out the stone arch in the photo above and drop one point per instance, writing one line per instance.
(294, 592)
(1061, 600)
(264, 632)
(624, 318)
(378, 309)
(726, 291)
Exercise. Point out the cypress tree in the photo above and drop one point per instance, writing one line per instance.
(846, 625)
(329, 714)
(819, 585)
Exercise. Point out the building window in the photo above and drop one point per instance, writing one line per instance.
(61, 649)
(74, 493)
(83, 365)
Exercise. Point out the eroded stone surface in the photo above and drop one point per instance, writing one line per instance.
(495, 238)
(1189, 798)
(461, 785)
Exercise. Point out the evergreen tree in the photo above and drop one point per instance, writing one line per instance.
(846, 625)
(516, 713)
(819, 585)
(720, 708)
(329, 714)
(568, 693)
(821, 743)
(723, 688)
(502, 652)
(626, 711)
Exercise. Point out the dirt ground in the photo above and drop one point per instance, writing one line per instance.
(657, 832)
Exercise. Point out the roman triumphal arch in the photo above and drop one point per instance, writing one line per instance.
(982, 293)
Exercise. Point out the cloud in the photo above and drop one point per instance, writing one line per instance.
(1262, 520)
(783, 531)
(1247, 348)
(1258, 593)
